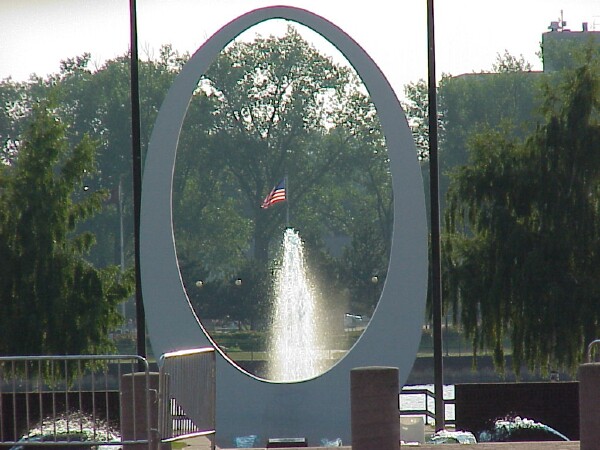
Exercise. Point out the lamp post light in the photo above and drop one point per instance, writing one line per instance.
(238, 282)
(199, 284)
(374, 281)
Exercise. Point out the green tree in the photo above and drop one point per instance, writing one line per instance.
(523, 242)
(10, 113)
(53, 300)
(272, 97)
(560, 50)
(497, 99)
(416, 107)
(503, 95)
(266, 108)
(507, 63)
(95, 101)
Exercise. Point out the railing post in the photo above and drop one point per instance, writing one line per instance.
(375, 422)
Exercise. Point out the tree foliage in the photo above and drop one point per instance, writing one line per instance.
(53, 300)
(416, 107)
(522, 242)
(467, 101)
(95, 101)
(507, 63)
(501, 98)
(560, 51)
(265, 109)
(271, 98)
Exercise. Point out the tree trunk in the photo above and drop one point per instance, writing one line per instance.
(261, 241)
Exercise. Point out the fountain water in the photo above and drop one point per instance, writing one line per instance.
(515, 429)
(295, 341)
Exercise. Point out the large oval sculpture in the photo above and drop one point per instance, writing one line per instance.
(320, 407)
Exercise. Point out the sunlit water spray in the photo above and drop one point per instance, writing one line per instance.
(295, 340)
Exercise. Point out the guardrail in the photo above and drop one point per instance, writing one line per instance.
(72, 400)
(87, 401)
(187, 395)
(590, 350)
(78, 400)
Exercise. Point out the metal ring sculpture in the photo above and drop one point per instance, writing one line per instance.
(319, 407)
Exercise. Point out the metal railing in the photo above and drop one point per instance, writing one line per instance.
(590, 350)
(92, 400)
(71, 400)
(187, 395)
(426, 412)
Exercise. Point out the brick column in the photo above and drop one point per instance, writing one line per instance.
(589, 406)
(134, 418)
(375, 423)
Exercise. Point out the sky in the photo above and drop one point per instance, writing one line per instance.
(38, 34)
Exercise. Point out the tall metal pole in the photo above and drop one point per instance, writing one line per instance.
(287, 202)
(122, 241)
(436, 272)
(136, 150)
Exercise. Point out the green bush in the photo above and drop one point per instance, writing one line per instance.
(247, 341)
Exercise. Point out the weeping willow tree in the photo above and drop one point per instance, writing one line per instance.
(522, 242)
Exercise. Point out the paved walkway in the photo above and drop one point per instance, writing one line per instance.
(204, 444)
(560, 445)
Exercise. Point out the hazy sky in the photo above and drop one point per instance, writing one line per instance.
(37, 34)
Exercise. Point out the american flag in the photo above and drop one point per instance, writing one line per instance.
(276, 195)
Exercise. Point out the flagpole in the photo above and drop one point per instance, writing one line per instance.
(287, 197)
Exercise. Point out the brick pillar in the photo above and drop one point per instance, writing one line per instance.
(589, 406)
(375, 423)
(134, 419)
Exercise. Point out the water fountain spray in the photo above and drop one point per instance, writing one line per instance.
(295, 340)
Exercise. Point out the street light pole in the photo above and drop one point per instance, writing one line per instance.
(436, 272)
(136, 150)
